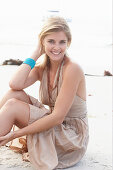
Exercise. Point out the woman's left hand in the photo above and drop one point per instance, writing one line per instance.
(7, 138)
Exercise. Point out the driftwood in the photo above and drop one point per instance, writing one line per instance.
(12, 62)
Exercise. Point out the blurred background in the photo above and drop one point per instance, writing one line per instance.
(90, 22)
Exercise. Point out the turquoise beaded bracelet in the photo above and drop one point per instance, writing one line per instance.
(30, 62)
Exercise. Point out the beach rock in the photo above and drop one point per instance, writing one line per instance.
(107, 73)
(12, 62)
(90, 95)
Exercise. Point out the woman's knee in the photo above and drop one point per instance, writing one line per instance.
(11, 103)
(9, 109)
(18, 94)
(22, 95)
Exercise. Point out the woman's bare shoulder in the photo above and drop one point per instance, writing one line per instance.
(73, 68)
(74, 72)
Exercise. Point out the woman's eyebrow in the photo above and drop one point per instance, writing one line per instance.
(63, 40)
(51, 39)
(54, 40)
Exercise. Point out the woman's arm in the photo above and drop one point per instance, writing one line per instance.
(73, 76)
(24, 76)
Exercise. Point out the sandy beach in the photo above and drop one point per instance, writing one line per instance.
(99, 104)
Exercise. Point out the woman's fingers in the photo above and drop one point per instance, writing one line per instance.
(9, 136)
(40, 48)
(3, 142)
(3, 138)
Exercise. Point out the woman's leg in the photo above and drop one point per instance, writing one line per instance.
(14, 110)
(20, 94)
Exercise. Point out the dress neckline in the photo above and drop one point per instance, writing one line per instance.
(56, 78)
(55, 83)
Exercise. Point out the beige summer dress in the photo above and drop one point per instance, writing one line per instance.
(65, 144)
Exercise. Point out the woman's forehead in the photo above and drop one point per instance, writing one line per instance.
(57, 35)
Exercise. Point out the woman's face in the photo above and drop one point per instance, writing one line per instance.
(55, 45)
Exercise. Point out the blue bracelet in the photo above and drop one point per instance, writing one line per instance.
(30, 62)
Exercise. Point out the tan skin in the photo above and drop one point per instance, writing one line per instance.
(14, 105)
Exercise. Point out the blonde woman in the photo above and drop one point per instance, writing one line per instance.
(56, 137)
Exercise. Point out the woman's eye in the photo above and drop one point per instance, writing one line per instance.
(51, 41)
(63, 42)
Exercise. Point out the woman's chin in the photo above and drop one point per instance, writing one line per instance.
(56, 58)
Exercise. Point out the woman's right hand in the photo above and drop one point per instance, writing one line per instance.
(40, 48)
(38, 52)
(7, 138)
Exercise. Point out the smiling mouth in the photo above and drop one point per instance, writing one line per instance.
(56, 53)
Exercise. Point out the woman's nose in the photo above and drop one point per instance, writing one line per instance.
(56, 46)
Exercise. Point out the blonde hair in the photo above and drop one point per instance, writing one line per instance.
(54, 24)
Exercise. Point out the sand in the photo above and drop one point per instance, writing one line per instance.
(98, 155)
(99, 103)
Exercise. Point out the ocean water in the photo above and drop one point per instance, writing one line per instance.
(90, 24)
